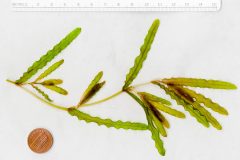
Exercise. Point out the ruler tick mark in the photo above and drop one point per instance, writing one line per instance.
(116, 5)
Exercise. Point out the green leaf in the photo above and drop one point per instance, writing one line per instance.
(167, 109)
(188, 99)
(198, 107)
(51, 82)
(202, 83)
(152, 128)
(50, 70)
(193, 112)
(159, 125)
(93, 87)
(94, 90)
(106, 122)
(154, 98)
(208, 116)
(145, 48)
(42, 93)
(57, 89)
(154, 118)
(49, 56)
(160, 117)
(207, 102)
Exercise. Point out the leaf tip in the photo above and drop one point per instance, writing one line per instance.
(78, 30)
(225, 113)
(162, 152)
(156, 22)
(65, 93)
(234, 86)
(182, 115)
(102, 83)
(219, 128)
(100, 73)
(61, 61)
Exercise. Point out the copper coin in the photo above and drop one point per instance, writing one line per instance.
(40, 140)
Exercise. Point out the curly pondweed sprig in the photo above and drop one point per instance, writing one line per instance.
(154, 106)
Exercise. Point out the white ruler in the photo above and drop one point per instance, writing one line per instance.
(116, 5)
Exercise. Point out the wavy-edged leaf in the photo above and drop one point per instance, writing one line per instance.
(208, 116)
(152, 128)
(198, 107)
(160, 117)
(145, 48)
(52, 82)
(50, 70)
(42, 93)
(206, 101)
(57, 89)
(187, 99)
(202, 83)
(49, 56)
(158, 124)
(92, 88)
(154, 98)
(193, 112)
(167, 109)
(106, 122)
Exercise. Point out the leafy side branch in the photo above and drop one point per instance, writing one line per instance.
(155, 107)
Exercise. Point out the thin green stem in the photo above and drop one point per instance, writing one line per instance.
(102, 100)
(111, 96)
(141, 84)
(83, 105)
(39, 98)
(11, 81)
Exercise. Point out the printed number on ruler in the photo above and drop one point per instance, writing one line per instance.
(116, 5)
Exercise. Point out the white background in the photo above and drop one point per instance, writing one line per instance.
(202, 45)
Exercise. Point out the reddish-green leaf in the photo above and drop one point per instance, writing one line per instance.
(202, 83)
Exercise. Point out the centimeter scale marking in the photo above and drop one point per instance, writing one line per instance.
(116, 5)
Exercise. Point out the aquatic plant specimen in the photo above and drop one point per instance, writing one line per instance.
(154, 106)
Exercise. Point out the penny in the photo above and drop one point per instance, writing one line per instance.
(40, 140)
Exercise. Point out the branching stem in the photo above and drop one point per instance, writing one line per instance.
(39, 98)
(83, 105)
(113, 95)
(103, 100)
(141, 84)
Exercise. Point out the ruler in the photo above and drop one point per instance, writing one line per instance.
(116, 5)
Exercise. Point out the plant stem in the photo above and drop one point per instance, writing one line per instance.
(111, 96)
(103, 100)
(83, 105)
(141, 84)
(39, 98)
(11, 81)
